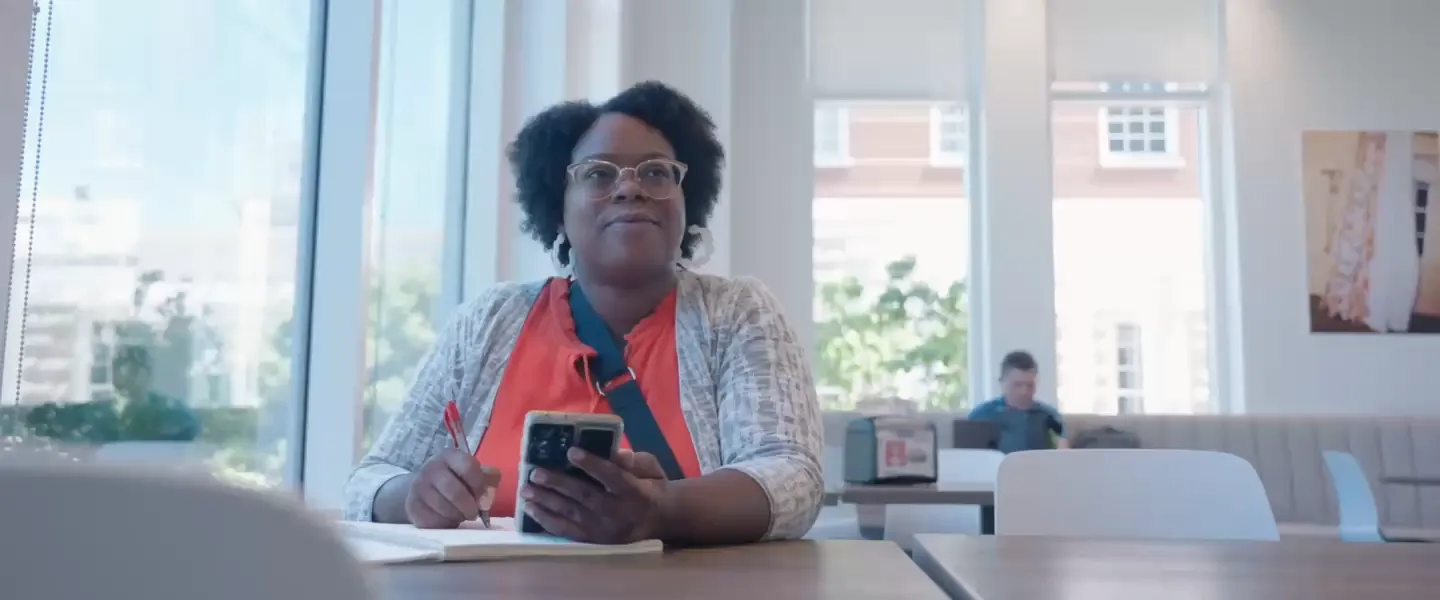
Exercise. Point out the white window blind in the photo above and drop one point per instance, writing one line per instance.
(1134, 40)
(890, 49)
(16, 18)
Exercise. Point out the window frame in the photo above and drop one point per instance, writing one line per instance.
(329, 369)
(939, 118)
(1112, 159)
(328, 359)
(840, 157)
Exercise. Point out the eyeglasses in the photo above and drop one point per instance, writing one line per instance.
(659, 178)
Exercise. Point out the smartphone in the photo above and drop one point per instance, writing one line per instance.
(549, 436)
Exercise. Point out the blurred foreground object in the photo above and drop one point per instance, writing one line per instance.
(77, 530)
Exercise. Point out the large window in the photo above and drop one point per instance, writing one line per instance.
(891, 268)
(157, 246)
(412, 188)
(1130, 260)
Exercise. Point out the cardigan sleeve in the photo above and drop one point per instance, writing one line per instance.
(417, 430)
(770, 425)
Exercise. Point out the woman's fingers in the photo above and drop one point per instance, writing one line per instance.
(436, 503)
(625, 458)
(476, 477)
(585, 492)
(560, 504)
(616, 479)
(645, 466)
(553, 522)
(455, 491)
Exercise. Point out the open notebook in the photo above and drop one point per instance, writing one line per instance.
(385, 543)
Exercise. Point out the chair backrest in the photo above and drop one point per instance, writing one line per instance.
(93, 531)
(1137, 494)
(1359, 516)
(159, 454)
(965, 464)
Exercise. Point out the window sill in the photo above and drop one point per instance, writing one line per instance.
(947, 162)
(1127, 161)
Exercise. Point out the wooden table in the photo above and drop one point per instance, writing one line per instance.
(790, 570)
(977, 493)
(1026, 567)
(949, 492)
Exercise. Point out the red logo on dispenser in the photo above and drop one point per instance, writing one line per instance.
(895, 453)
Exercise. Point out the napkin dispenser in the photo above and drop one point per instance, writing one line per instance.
(890, 449)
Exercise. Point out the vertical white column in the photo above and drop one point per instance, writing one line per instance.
(1016, 284)
(594, 54)
(1227, 365)
(15, 31)
(527, 55)
(486, 175)
(330, 321)
(744, 61)
(772, 169)
(687, 45)
(537, 75)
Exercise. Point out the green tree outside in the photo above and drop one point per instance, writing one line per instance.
(399, 334)
(872, 342)
(401, 330)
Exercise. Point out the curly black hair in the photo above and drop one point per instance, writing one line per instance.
(544, 145)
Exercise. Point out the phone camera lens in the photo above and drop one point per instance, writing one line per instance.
(548, 444)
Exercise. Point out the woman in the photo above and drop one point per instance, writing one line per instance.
(620, 194)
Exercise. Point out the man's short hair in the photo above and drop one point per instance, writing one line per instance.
(1018, 360)
(132, 355)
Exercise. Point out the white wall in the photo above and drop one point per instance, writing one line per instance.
(1321, 64)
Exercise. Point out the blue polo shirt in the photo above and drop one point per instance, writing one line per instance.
(1017, 426)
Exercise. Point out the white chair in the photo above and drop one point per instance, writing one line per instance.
(1355, 501)
(95, 531)
(183, 455)
(835, 522)
(903, 521)
(1359, 517)
(1137, 494)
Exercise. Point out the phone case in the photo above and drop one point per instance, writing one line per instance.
(546, 441)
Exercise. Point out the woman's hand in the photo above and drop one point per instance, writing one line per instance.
(449, 489)
(628, 506)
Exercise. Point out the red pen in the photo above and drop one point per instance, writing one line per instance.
(456, 426)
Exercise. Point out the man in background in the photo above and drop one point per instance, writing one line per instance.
(135, 412)
(1025, 423)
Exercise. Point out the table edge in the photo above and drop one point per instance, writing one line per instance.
(951, 497)
(948, 581)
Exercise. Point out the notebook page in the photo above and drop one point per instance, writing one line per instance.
(383, 553)
(473, 542)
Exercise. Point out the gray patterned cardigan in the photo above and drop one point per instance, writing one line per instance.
(746, 390)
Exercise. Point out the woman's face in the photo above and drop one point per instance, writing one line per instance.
(634, 231)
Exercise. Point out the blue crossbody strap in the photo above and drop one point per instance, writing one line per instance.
(616, 382)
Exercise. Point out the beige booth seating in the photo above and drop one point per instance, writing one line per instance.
(1286, 451)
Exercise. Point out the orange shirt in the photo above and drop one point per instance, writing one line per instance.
(548, 371)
